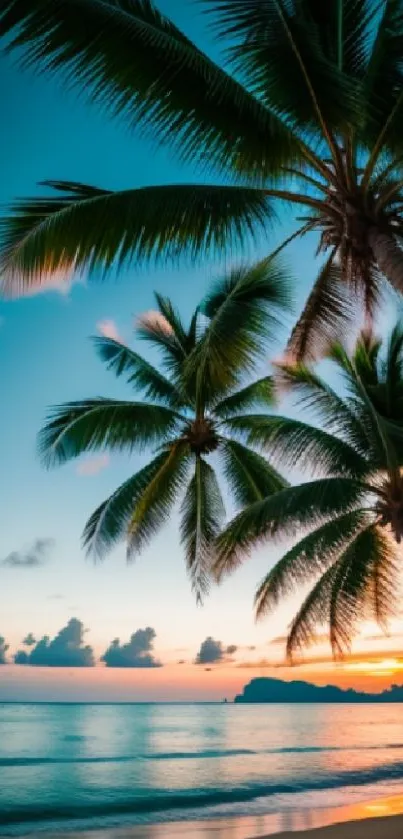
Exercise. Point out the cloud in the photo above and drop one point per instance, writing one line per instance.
(93, 465)
(56, 596)
(108, 329)
(210, 652)
(278, 640)
(32, 557)
(60, 280)
(29, 640)
(155, 320)
(138, 652)
(3, 651)
(381, 636)
(65, 650)
(262, 663)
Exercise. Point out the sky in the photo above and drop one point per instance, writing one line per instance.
(47, 585)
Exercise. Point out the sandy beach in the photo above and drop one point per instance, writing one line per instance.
(377, 828)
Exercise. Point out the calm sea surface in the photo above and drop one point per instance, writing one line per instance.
(75, 766)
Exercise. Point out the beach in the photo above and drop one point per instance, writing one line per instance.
(378, 819)
(384, 828)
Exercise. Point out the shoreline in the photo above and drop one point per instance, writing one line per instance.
(380, 818)
(383, 827)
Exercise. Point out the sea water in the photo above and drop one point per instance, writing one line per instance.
(76, 766)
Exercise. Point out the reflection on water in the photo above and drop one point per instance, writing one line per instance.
(284, 767)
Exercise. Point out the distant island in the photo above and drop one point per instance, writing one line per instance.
(278, 691)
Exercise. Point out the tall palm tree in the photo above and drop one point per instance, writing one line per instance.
(183, 415)
(352, 514)
(309, 112)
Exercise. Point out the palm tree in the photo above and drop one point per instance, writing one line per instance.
(352, 514)
(183, 416)
(309, 112)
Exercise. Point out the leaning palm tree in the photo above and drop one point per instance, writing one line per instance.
(309, 112)
(183, 415)
(352, 514)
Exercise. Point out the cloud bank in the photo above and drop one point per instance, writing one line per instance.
(138, 652)
(65, 650)
(34, 556)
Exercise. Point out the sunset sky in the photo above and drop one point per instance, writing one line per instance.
(46, 358)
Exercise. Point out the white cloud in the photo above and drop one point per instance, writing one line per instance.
(60, 281)
(93, 465)
(108, 329)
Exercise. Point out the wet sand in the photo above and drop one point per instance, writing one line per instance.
(390, 827)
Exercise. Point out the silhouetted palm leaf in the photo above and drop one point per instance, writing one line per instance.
(103, 423)
(311, 116)
(89, 229)
(353, 516)
(139, 372)
(181, 422)
(202, 514)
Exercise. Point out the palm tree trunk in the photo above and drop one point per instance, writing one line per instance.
(388, 255)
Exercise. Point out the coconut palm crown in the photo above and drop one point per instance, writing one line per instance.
(305, 108)
(205, 380)
(351, 517)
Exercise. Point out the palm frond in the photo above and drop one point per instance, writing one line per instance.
(380, 441)
(93, 230)
(314, 613)
(285, 513)
(327, 314)
(164, 329)
(109, 522)
(138, 371)
(392, 371)
(319, 400)
(259, 394)
(202, 513)
(311, 556)
(137, 63)
(279, 49)
(92, 424)
(293, 443)
(343, 30)
(154, 506)
(186, 339)
(384, 78)
(154, 329)
(365, 358)
(384, 586)
(343, 596)
(250, 477)
(243, 310)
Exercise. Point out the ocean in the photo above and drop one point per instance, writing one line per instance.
(76, 767)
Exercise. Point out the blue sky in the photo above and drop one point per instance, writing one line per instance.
(46, 358)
